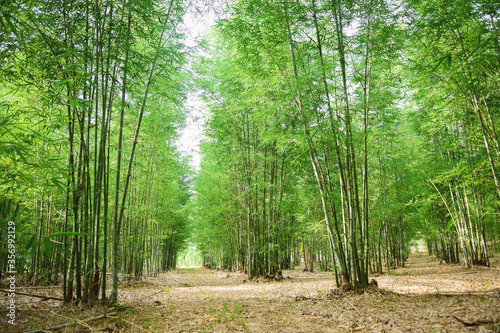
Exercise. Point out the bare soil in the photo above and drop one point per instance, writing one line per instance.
(425, 296)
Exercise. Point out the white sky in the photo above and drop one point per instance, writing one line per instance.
(190, 136)
(189, 142)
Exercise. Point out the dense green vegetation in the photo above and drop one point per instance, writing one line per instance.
(338, 133)
(91, 97)
(352, 129)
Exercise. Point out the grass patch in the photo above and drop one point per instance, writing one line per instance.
(230, 317)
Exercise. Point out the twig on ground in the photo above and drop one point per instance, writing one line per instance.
(179, 282)
(148, 296)
(352, 306)
(476, 293)
(78, 321)
(316, 314)
(476, 322)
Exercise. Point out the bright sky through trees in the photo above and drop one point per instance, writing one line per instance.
(191, 135)
(197, 25)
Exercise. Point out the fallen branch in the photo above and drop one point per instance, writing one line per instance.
(148, 296)
(316, 314)
(476, 293)
(79, 321)
(179, 282)
(306, 277)
(476, 322)
(55, 328)
(301, 298)
(32, 295)
(352, 306)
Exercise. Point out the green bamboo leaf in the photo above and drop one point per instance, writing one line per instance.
(47, 244)
(29, 245)
(58, 184)
(446, 59)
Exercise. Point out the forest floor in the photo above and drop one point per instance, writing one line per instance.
(425, 296)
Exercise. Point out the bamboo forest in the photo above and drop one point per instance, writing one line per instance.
(249, 166)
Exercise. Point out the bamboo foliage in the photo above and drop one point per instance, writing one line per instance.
(335, 70)
(77, 56)
(338, 134)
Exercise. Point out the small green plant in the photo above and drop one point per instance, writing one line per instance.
(242, 323)
(148, 324)
(223, 314)
(238, 309)
(120, 322)
(207, 329)
(230, 316)
(225, 307)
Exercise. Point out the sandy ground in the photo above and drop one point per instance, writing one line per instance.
(425, 296)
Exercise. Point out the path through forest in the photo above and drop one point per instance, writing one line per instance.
(426, 296)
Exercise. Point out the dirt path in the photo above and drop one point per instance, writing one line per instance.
(423, 297)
